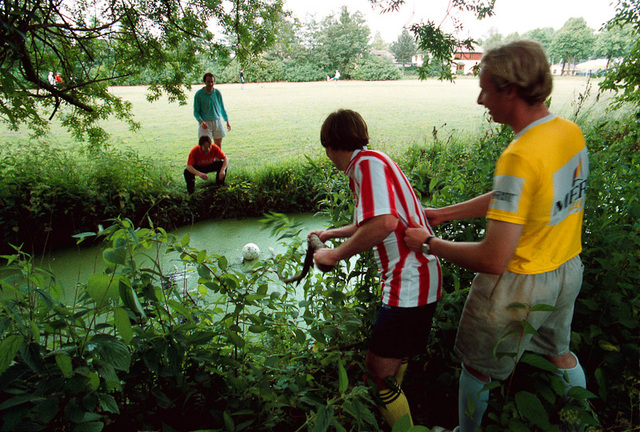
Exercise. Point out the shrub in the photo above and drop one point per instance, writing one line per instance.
(375, 68)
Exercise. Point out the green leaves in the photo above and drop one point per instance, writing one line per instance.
(343, 379)
(529, 407)
(102, 288)
(128, 39)
(111, 350)
(8, 350)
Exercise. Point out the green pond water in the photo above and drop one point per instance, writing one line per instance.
(222, 237)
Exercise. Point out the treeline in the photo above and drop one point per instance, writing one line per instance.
(313, 51)
(575, 42)
(303, 51)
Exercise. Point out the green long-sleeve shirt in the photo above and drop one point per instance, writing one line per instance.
(209, 106)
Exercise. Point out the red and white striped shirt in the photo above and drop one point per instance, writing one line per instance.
(409, 279)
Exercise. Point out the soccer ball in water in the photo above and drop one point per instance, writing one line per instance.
(250, 251)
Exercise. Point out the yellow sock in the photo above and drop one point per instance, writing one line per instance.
(401, 370)
(395, 406)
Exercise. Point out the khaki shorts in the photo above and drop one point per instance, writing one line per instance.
(215, 129)
(487, 318)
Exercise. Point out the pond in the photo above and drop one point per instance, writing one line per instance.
(222, 237)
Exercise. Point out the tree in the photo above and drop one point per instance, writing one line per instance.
(614, 42)
(493, 39)
(379, 43)
(404, 48)
(440, 45)
(573, 42)
(341, 41)
(92, 43)
(624, 76)
(543, 35)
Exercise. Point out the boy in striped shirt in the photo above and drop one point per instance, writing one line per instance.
(411, 281)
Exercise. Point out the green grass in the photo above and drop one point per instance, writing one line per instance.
(281, 121)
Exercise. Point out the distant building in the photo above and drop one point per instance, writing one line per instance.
(417, 59)
(382, 53)
(588, 68)
(465, 61)
(592, 67)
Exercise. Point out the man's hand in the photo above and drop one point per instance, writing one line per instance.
(203, 176)
(415, 236)
(228, 127)
(222, 174)
(325, 259)
(321, 235)
(203, 124)
(434, 216)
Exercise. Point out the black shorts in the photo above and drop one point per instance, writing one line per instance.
(401, 332)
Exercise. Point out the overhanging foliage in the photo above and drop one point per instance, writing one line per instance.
(92, 43)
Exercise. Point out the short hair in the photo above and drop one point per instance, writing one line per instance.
(523, 63)
(203, 139)
(204, 77)
(344, 130)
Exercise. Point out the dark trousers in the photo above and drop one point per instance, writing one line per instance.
(191, 178)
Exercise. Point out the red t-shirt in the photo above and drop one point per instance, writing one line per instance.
(197, 156)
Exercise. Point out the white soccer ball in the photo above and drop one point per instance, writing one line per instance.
(250, 252)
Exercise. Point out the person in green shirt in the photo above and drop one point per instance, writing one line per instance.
(208, 109)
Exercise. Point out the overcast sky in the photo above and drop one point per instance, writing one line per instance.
(510, 15)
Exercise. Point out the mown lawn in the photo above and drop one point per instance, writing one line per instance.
(277, 121)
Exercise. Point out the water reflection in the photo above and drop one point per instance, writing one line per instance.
(221, 237)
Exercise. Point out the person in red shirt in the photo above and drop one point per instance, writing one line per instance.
(204, 158)
(411, 282)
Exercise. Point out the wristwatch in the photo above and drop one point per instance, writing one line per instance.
(425, 246)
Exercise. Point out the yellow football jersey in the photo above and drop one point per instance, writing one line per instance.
(540, 182)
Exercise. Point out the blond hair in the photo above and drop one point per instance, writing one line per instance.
(523, 63)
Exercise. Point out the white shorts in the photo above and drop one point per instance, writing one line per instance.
(490, 322)
(216, 129)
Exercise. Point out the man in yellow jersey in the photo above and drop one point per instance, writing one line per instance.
(530, 253)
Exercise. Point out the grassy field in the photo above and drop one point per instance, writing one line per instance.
(278, 121)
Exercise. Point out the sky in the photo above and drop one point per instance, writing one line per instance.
(510, 15)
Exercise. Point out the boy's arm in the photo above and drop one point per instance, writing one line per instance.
(369, 234)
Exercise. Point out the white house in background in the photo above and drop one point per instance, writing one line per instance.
(466, 60)
(590, 67)
(417, 59)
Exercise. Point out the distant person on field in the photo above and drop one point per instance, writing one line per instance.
(52, 79)
(58, 79)
(411, 281)
(242, 79)
(530, 252)
(336, 77)
(208, 109)
(205, 158)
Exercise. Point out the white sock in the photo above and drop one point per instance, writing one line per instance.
(575, 375)
(471, 401)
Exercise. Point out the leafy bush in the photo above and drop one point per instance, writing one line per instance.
(303, 72)
(375, 68)
(135, 348)
(46, 195)
(605, 324)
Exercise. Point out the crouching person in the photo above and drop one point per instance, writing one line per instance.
(411, 281)
(204, 158)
